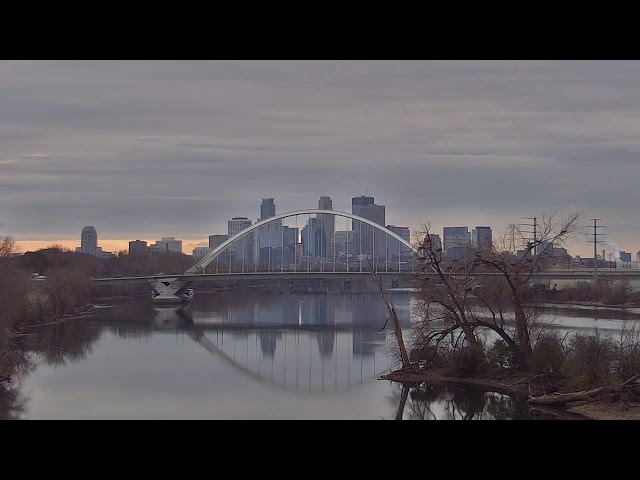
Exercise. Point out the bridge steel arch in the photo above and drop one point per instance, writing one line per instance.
(207, 259)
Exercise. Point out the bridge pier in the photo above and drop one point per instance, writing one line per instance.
(171, 290)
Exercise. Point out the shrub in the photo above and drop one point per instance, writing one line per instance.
(500, 355)
(548, 355)
(589, 362)
(427, 355)
(469, 360)
(627, 362)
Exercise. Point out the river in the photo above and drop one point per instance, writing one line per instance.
(243, 355)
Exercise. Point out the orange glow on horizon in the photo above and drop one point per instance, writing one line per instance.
(109, 245)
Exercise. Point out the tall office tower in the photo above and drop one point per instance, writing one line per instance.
(289, 241)
(138, 247)
(343, 243)
(267, 209)
(366, 208)
(312, 238)
(237, 224)
(216, 240)
(268, 236)
(328, 223)
(394, 247)
(241, 249)
(481, 237)
(455, 237)
(89, 241)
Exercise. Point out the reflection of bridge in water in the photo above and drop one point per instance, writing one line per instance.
(294, 353)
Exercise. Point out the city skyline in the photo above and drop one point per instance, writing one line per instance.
(144, 150)
(460, 236)
(124, 245)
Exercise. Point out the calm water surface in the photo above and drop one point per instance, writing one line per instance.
(242, 356)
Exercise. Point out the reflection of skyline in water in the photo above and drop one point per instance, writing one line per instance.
(345, 331)
(302, 356)
(295, 360)
(236, 356)
(296, 342)
(365, 310)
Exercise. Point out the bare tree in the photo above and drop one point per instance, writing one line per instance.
(66, 289)
(8, 247)
(489, 279)
(404, 357)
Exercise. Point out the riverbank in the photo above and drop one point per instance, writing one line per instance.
(8, 356)
(607, 410)
(505, 381)
(523, 385)
(631, 307)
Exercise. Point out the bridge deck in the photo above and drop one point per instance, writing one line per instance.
(209, 277)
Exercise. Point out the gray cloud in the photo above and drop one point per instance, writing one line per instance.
(143, 149)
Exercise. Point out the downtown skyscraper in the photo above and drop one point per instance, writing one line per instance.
(370, 241)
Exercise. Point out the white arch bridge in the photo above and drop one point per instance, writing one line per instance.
(270, 249)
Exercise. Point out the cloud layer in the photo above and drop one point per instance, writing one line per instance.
(145, 149)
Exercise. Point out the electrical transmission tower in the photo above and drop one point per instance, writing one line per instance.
(511, 231)
(595, 241)
(534, 232)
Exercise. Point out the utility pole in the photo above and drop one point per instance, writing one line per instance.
(595, 240)
(535, 232)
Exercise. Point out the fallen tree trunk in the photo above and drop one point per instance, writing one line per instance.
(562, 398)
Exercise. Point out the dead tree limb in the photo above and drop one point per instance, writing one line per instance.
(562, 398)
(394, 316)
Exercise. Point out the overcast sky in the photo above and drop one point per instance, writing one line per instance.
(143, 149)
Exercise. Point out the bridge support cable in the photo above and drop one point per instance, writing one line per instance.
(309, 244)
(282, 248)
(333, 247)
(346, 242)
(295, 249)
(321, 243)
(231, 244)
(360, 235)
(373, 248)
(386, 253)
(269, 264)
